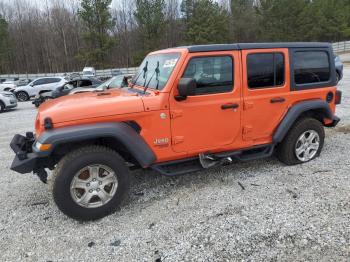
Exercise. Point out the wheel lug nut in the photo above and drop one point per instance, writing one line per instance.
(100, 183)
(90, 190)
(97, 189)
(94, 179)
(88, 184)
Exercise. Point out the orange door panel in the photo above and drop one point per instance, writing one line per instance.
(265, 92)
(212, 120)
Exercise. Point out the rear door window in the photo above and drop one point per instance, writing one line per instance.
(265, 70)
(311, 67)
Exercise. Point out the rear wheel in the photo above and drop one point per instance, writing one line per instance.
(90, 183)
(22, 96)
(303, 142)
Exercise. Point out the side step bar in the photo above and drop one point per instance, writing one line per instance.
(189, 165)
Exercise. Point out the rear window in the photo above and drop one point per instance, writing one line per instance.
(311, 67)
(265, 70)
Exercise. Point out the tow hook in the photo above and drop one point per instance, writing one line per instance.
(42, 174)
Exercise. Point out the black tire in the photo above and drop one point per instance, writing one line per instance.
(286, 150)
(2, 107)
(70, 165)
(338, 77)
(22, 96)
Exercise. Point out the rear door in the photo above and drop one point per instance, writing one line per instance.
(266, 88)
(209, 120)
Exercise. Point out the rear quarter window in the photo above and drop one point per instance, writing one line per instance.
(311, 67)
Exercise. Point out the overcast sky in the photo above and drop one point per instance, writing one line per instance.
(43, 2)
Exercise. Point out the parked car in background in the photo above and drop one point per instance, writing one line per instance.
(8, 84)
(23, 82)
(115, 82)
(7, 101)
(338, 68)
(116, 72)
(89, 72)
(65, 89)
(39, 85)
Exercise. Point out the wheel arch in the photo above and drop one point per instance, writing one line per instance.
(121, 137)
(317, 109)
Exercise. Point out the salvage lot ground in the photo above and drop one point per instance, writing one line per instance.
(258, 210)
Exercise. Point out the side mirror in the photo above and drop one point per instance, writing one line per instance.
(31, 84)
(187, 87)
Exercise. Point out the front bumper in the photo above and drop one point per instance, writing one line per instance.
(334, 122)
(11, 106)
(26, 165)
(25, 159)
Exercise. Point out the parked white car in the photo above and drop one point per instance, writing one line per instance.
(7, 85)
(89, 72)
(7, 101)
(39, 85)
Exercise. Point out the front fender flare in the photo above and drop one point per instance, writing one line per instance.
(295, 111)
(120, 131)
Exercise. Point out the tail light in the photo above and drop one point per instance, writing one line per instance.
(338, 97)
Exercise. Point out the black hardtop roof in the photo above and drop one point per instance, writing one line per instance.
(243, 46)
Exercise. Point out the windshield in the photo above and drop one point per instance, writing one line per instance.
(147, 75)
(88, 73)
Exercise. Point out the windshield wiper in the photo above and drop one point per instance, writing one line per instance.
(156, 72)
(144, 70)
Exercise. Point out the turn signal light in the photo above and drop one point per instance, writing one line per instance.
(42, 147)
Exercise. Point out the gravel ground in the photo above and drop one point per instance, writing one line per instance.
(252, 211)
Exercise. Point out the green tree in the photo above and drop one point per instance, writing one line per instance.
(187, 7)
(244, 23)
(4, 45)
(207, 23)
(150, 18)
(329, 19)
(283, 20)
(98, 22)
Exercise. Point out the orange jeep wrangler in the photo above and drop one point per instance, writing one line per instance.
(186, 109)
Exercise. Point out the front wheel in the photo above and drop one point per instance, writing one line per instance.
(90, 183)
(303, 142)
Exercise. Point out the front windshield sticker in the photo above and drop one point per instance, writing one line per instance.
(170, 63)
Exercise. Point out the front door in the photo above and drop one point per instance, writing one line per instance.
(265, 92)
(210, 119)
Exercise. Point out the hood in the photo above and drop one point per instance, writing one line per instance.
(5, 93)
(90, 105)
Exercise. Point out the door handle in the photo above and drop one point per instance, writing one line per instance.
(277, 100)
(229, 106)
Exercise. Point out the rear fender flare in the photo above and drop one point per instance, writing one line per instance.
(122, 132)
(295, 112)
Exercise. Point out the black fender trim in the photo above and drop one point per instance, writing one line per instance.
(120, 131)
(295, 111)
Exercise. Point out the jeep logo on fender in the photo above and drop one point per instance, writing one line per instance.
(161, 141)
